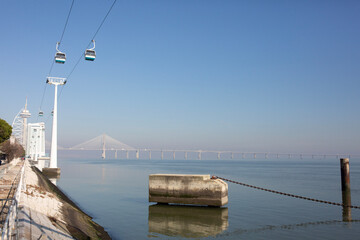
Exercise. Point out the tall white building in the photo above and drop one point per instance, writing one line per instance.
(35, 140)
(19, 125)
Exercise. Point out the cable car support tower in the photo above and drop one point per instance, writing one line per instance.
(53, 168)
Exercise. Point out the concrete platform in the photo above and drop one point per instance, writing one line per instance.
(51, 172)
(187, 189)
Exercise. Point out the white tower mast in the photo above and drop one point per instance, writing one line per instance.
(25, 114)
(53, 155)
(103, 148)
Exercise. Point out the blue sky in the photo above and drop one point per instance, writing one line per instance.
(223, 75)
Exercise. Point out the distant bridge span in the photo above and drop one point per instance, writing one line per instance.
(106, 143)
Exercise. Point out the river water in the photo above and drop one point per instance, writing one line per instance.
(115, 194)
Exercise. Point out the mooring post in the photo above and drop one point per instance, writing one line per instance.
(345, 174)
(345, 187)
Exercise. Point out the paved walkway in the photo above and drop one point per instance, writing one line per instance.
(8, 172)
(36, 205)
(34, 225)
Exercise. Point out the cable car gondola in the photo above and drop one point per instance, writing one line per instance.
(90, 54)
(41, 113)
(60, 57)
(52, 113)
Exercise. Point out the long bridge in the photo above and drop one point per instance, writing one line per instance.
(106, 143)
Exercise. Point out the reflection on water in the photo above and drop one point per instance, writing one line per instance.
(287, 227)
(346, 201)
(187, 221)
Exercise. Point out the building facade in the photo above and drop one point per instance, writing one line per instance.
(35, 146)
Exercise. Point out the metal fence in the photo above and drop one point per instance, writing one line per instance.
(9, 218)
(9, 209)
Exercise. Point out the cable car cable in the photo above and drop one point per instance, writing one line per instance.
(97, 31)
(62, 34)
(61, 38)
(67, 20)
(42, 99)
(82, 55)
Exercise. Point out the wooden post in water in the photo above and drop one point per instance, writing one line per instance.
(345, 174)
(345, 187)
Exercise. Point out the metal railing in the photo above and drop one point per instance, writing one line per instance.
(9, 209)
(10, 220)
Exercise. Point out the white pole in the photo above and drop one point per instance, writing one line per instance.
(53, 157)
(104, 149)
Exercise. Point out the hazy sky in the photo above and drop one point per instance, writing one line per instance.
(223, 75)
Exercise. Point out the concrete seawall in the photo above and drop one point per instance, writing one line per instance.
(45, 212)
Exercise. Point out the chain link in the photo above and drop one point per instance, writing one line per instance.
(287, 194)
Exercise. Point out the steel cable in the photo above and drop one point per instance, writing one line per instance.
(287, 194)
(62, 34)
(67, 20)
(52, 63)
(82, 55)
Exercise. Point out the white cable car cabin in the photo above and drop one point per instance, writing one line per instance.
(60, 57)
(90, 54)
(41, 113)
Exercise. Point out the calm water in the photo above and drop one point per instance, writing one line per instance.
(115, 193)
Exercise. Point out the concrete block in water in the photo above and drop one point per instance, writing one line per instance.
(187, 189)
(51, 172)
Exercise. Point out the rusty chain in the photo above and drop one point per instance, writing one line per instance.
(287, 194)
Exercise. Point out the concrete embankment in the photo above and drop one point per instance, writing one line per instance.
(45, 212)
